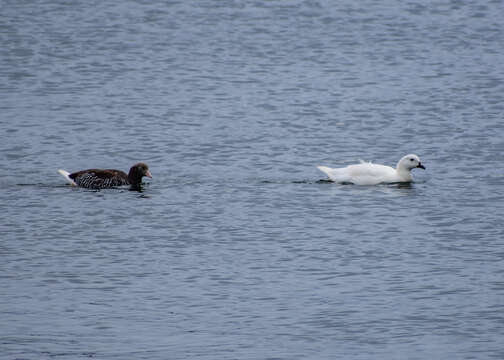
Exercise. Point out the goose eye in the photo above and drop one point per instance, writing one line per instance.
(412, 159)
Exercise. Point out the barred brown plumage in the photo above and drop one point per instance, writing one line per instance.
(108, 178)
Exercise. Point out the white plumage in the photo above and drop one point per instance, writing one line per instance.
(67, 177)
(367, 173)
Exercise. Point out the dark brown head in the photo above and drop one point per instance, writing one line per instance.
(137, 172)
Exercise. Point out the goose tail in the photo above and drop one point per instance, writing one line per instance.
(67, 177)
(326, 170)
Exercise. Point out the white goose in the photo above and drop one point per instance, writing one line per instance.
(367, 173)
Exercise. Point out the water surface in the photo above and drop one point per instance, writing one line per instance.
(235, 249)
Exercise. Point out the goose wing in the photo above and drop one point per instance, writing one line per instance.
(371, 174)
(99, 179)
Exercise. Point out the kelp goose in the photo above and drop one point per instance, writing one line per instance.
(108, 178)
(367, 173)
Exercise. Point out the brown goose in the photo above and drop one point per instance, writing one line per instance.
(107, 178)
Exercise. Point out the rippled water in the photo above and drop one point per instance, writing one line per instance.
(235, 249)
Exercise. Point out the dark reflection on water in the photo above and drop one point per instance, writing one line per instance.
(237, 249)
(403, 185)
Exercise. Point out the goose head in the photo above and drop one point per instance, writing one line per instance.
(409, 162)
(137, 172)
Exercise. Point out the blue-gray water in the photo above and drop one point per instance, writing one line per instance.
(236, 250)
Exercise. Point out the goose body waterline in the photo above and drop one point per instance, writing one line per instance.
(367, 173)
